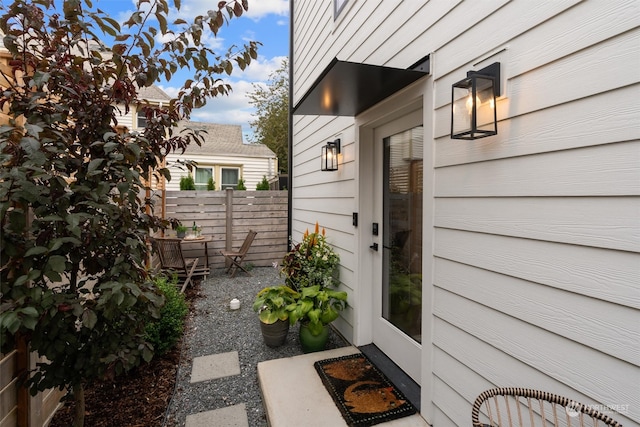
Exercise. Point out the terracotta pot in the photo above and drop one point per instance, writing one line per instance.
(275, 334)
(312, 343)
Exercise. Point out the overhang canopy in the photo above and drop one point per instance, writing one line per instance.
(349, 88)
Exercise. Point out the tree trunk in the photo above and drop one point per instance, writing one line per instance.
(78, 395)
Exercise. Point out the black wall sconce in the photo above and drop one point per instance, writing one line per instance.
(329, 157)
(473, 104)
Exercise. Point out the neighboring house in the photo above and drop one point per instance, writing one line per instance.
(136, 120)
(224, 157)
(512, 260)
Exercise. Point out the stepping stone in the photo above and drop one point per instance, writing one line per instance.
(215, 366)
(231, 416)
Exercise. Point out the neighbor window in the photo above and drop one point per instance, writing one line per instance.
(229, 178)
(338, 5)
(142, 120)
(202, 178)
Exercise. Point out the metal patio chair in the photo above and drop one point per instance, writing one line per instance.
(173, 261)
(510, 406)
(235, 258)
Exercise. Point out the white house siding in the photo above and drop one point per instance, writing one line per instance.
(536, 237)
(252, 169)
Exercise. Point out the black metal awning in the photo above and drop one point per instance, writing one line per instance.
(349, 88)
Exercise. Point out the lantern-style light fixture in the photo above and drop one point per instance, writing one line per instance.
(329, 157)
(473, 104)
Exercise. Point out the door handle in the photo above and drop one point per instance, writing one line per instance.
(374, 247)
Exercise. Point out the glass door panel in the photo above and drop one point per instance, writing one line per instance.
(402, 231)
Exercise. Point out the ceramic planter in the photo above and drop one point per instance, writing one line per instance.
(275, 334)
(312, 343)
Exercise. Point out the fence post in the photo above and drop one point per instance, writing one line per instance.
(229, 223)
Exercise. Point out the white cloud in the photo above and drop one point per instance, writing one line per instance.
(257, 8)
(260, 69)
(261, 8)
(231, 109)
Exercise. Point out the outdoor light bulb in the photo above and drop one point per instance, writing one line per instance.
(470, 102)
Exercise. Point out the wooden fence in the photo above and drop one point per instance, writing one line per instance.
(228, 216)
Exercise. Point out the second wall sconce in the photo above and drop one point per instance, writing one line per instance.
(473, 104)
(329, 156)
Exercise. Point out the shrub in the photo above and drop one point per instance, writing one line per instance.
(211, 184)
(163, 333)
(187, 183)
(241, 185)
(263, 185)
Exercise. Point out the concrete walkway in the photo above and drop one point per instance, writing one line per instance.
(292, 392)
(207, 368)
(228, 377)
(217, 380)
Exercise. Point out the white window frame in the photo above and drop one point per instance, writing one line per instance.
(338, 7)
(224, 186)
(202, 185)
(141, 120)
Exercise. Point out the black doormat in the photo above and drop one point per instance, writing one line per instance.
(363, 394)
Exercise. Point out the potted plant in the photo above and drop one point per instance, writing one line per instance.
(311, 262)
(181, 231)
(311, 268)
(271, 304)
(315, 308)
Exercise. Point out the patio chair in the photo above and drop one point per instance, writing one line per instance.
(235, 258)
(173, 261)
(511, 406)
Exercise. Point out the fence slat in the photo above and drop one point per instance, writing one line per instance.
(229, 215)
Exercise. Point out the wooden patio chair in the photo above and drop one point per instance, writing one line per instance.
(510, 406)
(173, 261)
(235, 258)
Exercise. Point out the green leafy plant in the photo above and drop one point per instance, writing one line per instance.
(317, 306)
(164, 333)
(271, 303)
(311, 262)
(211, 184)
(263, 185)
(241, 185)
(187, 183)
(311, 268)
(74, 219)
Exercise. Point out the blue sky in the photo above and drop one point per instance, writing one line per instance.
(267, 22)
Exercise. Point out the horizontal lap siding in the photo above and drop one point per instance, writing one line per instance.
(537, 230)
(262, 211)
(537, 239)
(252, 169)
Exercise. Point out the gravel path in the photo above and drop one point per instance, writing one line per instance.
(213, 329)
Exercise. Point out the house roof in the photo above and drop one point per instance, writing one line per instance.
(224, 140)
(153, 93)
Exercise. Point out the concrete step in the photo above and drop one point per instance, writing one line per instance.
(293, 394)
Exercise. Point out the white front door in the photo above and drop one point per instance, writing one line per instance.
(398, 232)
